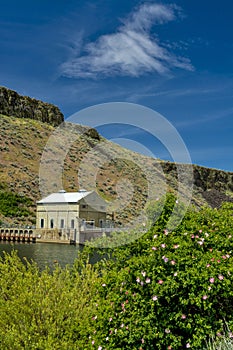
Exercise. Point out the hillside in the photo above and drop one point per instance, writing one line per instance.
(22, 145)
(118, 179)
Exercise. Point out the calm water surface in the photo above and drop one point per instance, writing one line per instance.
(44, 254)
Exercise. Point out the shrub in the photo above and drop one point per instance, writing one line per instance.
(44, 310)
(169, 290)
(14, 205)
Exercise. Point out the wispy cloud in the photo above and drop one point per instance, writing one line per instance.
(172, 93)
(130, 51)
(209, 118)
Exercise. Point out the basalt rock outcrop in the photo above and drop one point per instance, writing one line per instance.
(15, 105)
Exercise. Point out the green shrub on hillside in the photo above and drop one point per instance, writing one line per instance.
(14, 205)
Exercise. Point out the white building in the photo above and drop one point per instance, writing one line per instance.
(71, 211)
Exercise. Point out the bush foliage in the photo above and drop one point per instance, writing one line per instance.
(44, 310)
(14, 205)
(166, 290)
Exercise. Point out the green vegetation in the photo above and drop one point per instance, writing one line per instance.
(44, 310)
(165, 290)
(14, 205)
(224, 343)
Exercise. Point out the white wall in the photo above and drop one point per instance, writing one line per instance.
(57, 213)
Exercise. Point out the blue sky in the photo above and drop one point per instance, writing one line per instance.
(174, 57)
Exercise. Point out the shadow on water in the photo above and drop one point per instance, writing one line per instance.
(44, 254)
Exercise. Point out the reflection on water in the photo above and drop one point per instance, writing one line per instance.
(44, 254)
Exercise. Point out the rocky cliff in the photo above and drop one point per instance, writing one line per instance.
(13, 104)
(211, 185)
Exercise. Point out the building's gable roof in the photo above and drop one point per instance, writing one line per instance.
(65, 197)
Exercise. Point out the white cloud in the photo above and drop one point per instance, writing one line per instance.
(208, 118)
(148, 15)
(131, 51)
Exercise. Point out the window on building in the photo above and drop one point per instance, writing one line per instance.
(62, 223)
(101, 223)
(51, 223)
(41, 223)
(84, 206)
(72, 223)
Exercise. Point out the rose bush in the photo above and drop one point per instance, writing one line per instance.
(169, 290)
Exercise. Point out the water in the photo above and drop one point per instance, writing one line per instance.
(44, 254)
